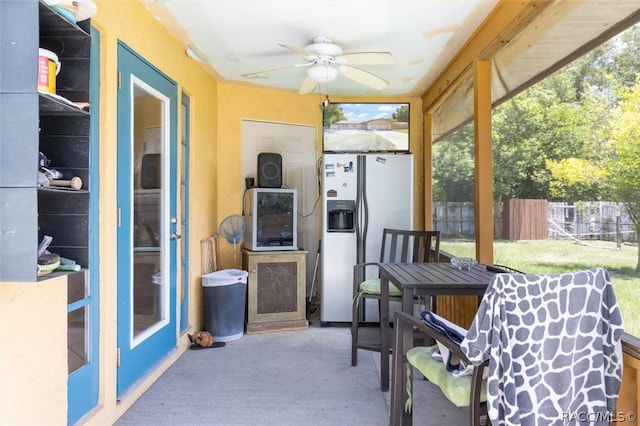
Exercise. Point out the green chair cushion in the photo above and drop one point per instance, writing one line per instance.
(372, 286)
(456, 389)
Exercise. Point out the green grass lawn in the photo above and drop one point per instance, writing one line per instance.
(555, 256)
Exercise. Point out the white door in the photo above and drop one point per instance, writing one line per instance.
(297, 145)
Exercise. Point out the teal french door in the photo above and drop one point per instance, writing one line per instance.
(147, 234)
(83, 312)
(184, 196)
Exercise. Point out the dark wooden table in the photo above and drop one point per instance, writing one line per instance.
(425, 279)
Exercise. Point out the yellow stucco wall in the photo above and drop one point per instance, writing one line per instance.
(128, 21)
(36, 376)
(239, 101)
(33, 352)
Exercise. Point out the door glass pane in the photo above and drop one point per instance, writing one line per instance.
(183, 204)
(77, 338)
(77, 287)
(148, 232)
(77, 320)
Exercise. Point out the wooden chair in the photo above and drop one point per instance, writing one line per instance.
(573, 339)
(209, 254)
(400, 246)
(461, 391)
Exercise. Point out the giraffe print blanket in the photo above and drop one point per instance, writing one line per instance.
(554, 348)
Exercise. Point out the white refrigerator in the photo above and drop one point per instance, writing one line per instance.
(361, 195)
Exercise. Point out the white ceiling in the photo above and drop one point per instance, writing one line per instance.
(241, 36)
(235, 37)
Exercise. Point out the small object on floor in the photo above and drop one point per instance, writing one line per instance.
(203, 340)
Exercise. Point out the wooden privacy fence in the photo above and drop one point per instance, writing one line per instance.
(519, 219)
(525, 220)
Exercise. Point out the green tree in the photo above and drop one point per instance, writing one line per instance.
(574, 179)
(623, 166)
(331, 114)
(567, 115)
(566, 119)
(401, 114)
(453, 167)
(518, 158)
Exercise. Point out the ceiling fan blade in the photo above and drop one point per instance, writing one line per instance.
(249, 74)
(308, 86)
(299, 50)
(363, 77)
(367, 58)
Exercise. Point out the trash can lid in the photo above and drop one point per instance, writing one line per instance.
(224, 277)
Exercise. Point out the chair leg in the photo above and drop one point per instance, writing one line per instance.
(401, 374)
(354, 334)
(476, 386)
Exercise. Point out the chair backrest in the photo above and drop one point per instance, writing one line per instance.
(404, 246)
(209, 254)
(551, 340)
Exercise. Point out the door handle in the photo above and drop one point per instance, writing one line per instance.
(175, 236)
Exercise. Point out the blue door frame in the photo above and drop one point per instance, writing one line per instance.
(83, 384)
(184, 189)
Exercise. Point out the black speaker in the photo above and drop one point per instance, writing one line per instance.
(269, 170)
(150, 171)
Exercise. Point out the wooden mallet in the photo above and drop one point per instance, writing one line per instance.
(74, 183)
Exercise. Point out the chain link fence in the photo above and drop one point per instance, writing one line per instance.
(592, 220)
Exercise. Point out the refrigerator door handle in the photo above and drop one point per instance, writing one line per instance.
(365, 208)
(360, 218)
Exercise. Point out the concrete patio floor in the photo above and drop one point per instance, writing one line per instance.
(282, 378)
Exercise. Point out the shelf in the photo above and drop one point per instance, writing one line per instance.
(60, 273)
(146, 249)
(58, 125)
(62, 189)
(52, 24)
(57, 105)
(72, 44)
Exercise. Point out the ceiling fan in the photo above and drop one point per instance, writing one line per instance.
(326, 60)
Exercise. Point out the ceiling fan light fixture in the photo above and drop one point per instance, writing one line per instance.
(322, 46)
(322, 74)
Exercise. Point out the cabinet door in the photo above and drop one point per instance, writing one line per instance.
(276, 287)
(20, 56)
(18, 234)
(19, 136)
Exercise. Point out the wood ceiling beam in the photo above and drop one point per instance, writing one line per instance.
(505, 21)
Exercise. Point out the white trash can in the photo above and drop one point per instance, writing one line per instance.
(224, 303)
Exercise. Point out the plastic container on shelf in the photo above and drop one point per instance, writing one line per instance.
(48, 69)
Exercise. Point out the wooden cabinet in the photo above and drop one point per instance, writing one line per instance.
(276, 290)
(57, 125)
